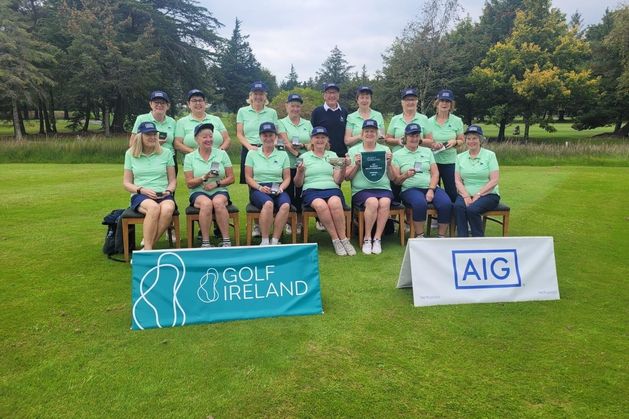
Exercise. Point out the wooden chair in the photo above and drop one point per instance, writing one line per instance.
(192, 216)
(253, 214)
(396, 210)
(502, 210)
(131, 218)
(430, 214)
(309, 212)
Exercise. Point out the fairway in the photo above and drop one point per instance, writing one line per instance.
(67, 349)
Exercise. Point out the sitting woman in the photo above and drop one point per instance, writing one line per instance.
(320, 180)
(476, 175)
(415, 169)
(149, 174)
(374, 194)
(208, 171)
(267, 172)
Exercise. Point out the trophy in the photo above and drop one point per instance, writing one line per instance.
(337, 161)
(279, 144)
(162, 137)
(299, 161)
(418, 167)
(295, 142)
(275, 188)
(214, 168)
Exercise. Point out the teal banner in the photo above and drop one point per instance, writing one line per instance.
(189, 286)
(373, 165)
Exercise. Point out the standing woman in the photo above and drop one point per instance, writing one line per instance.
(149, 174)
(267, 173)
(184, 134)
(477, 176)
(321, 183)
(295, 134)
(395, 132)
(415, 169)
(375, 196)
(354, 127)
(248, 121)
(443, 134)
(208, 171)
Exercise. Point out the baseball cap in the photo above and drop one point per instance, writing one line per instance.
(409, 92)
(294, 97)
(195, 92)
(258, 86)
(412, 129)
(364, 89)
(474, 129)
(267, 127)
(146, 127)
(328, 86)
(200, 127)
(319, 130)
(445, 94)
(158, 94)
(370, 123)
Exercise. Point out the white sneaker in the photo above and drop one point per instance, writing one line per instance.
(300, 227)
(376, 247)
(407, 228)
(288, 230)
(367, 246)
(225, 243)
(349, 249)
(265, 242)
(275, 242)
(339, 248)
(256, 231)
(206, 245)
(319, 226)
(142, 243)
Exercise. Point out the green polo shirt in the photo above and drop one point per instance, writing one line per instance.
(398, 125)
(149, 171)
(267, 169)
(187, 124)
(251, 120)
(319, 174)
(405, 159)
(167, 126)
(193, 162)
(302, 131)
(475, 171)
(355, 122)
(443, 133)
(360, 182)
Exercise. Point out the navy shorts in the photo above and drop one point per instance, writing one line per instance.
(195, 195)
(258, 198)
(136, 200)
(310, 195)
(361, 197)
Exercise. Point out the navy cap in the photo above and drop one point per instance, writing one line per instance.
(409, 92)
(370, 123)
(319, 130)
(445, 94)
(146, 127)
(258, 86)
(364, 89)
(195, 92)
(158, 94)
(412, 129)
(328, 86)
(200, 127)
(267, 127)
(294, 97)
(474, 129)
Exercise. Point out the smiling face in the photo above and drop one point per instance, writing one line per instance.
(268, 139)
(293, 109)
(159, 107)
(205, 138)
(319, 142)
(197, 104)
(363, 100)
(412, 140)
(409, 104)
(370, 135)
(331, 97)
(472, 141)
(444, 105)
(257, 98)
(149, 140)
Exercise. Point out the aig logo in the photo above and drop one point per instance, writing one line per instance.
(486, 268)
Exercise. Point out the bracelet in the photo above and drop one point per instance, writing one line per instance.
(169, 191)
(138, 191)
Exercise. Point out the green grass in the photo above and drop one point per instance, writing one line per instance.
(564, 131)
(67, 349)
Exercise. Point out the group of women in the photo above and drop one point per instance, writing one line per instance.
(288, 162)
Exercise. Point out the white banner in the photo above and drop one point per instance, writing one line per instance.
(479, 270)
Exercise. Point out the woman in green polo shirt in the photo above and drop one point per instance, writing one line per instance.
(159, 104)
(184, 134)
(373, 194)
(208, 171)
(444, 133)
(476, 175)
(149, 175)
(248, 120)
(354, 127)
(321, 180)
(295, 134)
(267, 172)
(415, 169)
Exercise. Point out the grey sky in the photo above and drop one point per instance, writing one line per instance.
(302, 33)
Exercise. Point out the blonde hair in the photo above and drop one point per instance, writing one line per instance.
(266, 100)
(310, 146)
(136, 146)
(452, 104)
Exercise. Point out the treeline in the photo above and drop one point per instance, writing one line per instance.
(101, 58)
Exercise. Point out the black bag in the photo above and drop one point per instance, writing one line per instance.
(113, 238)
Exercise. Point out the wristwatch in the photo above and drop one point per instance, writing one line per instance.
(138, 190)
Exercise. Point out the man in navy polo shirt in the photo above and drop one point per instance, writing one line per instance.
(331, 116)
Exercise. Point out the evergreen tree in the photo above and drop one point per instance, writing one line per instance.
(292, 80)
(334, 69)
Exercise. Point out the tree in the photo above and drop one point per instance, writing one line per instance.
(334, 69)
(238, 68)
(311, 97)
(292, 80)
(24, 63)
